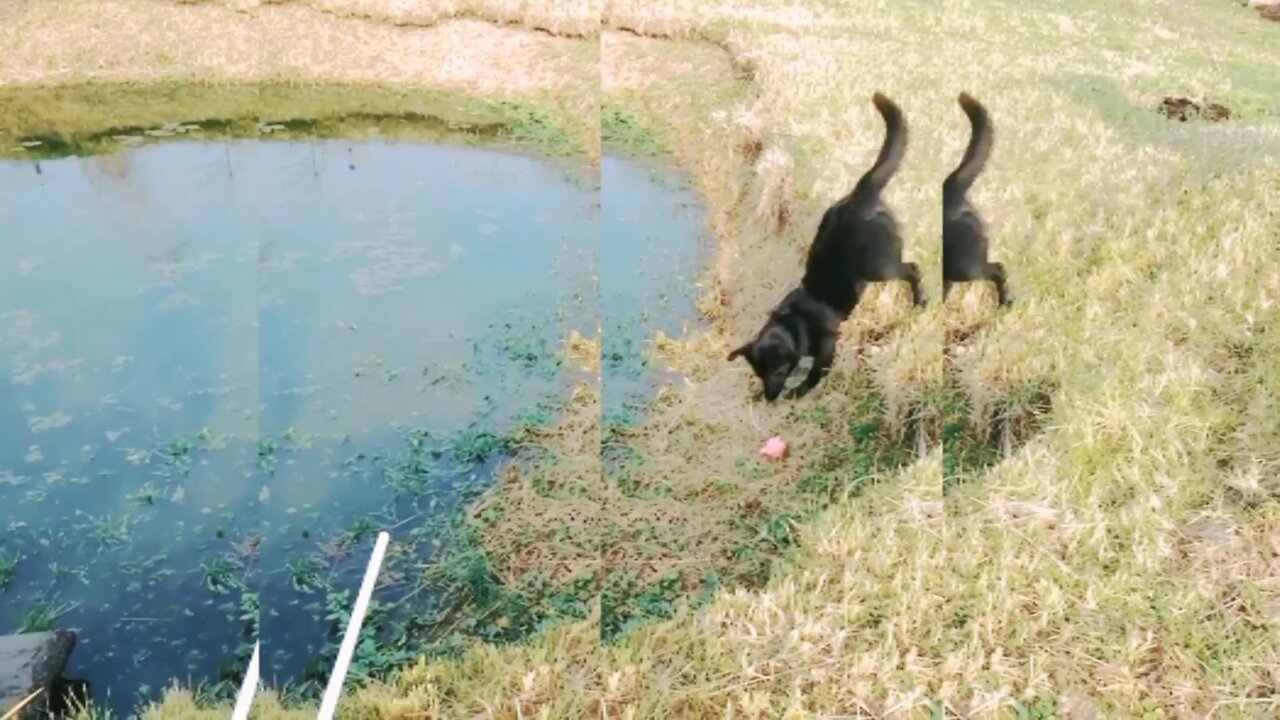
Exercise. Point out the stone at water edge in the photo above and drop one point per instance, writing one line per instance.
(30, 662)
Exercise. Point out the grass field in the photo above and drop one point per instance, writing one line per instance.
(1107, 541)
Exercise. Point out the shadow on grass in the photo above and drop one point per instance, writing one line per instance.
(973, 442)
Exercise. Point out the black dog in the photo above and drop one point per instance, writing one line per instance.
(964, 236)
(856, 243)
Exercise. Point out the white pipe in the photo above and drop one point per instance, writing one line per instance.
(329, 705)
(244, 700)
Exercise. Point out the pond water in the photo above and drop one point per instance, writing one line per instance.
(225, 366)
(652, 247)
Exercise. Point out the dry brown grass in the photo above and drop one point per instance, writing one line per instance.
(1123, 562)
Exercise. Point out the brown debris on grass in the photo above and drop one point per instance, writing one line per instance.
(1183, 109)
(1269, 9)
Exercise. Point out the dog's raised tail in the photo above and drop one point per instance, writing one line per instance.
(895, 145)
(975, 156)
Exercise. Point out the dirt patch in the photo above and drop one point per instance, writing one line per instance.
(1183, 109)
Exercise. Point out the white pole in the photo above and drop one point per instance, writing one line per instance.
(247, 688)
(329, 705)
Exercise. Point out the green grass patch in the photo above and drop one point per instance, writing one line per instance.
(971, 446)
(623, 130)
(43, 614)
(85, 120)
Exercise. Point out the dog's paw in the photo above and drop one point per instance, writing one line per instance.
(797, 392)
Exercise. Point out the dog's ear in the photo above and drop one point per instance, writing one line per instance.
(743, 350)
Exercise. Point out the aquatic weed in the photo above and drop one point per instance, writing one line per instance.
(267, 456)
(529, 345)
(220, 575)
(372, 659)
(106, 530)
(474, 447)
(43, 615)
(151, 566)
(145, 495)
(177, 456)
(306, 575)
(8, 568)
(211, 440)
(59, 571)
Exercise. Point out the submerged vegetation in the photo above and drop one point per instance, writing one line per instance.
(8, 568)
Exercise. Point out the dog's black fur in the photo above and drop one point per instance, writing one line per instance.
(964, 235)
(857, 243)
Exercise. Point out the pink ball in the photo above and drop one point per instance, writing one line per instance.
(774, 448)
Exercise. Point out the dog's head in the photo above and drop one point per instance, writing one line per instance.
(773, 357)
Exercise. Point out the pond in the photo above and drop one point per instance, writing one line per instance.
(225, 365)
(653, 245)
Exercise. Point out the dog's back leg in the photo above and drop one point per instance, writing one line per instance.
(995, 273)
(910, 272)
(888, 270)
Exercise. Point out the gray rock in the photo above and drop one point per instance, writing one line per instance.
(30, 662)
